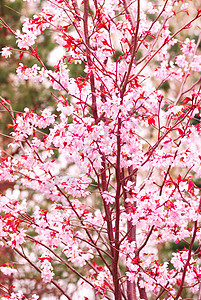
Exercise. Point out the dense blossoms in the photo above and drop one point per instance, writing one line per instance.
(111, 173)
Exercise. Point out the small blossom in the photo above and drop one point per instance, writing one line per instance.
(47, 270)
(7, 270)
(188, 47)
(5, 52)
(24, 41)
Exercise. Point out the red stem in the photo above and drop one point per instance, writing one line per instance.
(187, 263)
(117, 220)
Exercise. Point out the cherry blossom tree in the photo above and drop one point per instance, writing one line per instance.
(107, 180)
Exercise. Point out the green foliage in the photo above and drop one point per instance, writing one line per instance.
(77, 70)
(175, 50)
(165, 86)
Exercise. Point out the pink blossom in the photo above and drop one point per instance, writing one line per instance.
(181, 61)
(8, 270)
(17, 238)
(47, 270)
(188, 47)
(5, 52)
(24, 41)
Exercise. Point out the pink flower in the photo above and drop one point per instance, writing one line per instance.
(47, 270)
(6, 52)
(47, 276)
(24, 41)
(181, 61)
(188, 47)
(7, 270)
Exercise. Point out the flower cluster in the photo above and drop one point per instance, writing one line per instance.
(47, 270)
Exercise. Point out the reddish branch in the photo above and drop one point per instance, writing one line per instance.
(187, 262)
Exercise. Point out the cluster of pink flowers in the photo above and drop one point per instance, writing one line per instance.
(47, 273)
